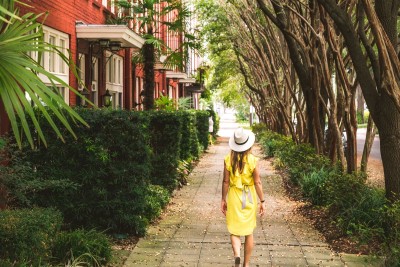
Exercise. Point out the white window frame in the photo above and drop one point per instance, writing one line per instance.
(81, 70)
(60, 68)
(114, 81)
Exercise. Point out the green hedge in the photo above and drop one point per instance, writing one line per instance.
(104, 179)
(97, 181)
(27, 235)
(165, 136)
(202, 127)
(360, 211)
(189, 142)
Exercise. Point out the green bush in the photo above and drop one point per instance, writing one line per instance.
(202, 127)
(259, 129)
(96, 180)
(102, 180)
(313, 185)
(156, 198)
(27, 235)
(23, 182)
(165, 103)
(165, 139)
(360, 118)
(91, 247)
(300, 160)
(392, 219)
(359, 211)
(189, 142)
(272, 142)
(364, 217)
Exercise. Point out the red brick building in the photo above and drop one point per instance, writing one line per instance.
(102, 52)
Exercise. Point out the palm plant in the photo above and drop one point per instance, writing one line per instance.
(150, 14)
(19, 75)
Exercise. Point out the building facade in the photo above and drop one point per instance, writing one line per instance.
(103, 52)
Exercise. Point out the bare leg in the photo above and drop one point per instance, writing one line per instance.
(236, 244)
(248, 248)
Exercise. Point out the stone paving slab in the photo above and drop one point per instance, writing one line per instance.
(192, 230)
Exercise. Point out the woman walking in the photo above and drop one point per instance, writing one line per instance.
(240, 187)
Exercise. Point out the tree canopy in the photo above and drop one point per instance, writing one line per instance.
(301, 63)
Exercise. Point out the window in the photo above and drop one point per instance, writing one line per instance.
(62, 67)
(52, 55)
(105, 3)
(61, 92)
(52, 62)
(112, 7)
(81, 66)
(114, 81)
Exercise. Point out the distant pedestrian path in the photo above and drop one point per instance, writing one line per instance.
(192, 230)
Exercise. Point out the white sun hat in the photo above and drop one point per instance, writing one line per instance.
(241, 140)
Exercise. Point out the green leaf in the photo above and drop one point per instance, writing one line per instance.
(19, 74)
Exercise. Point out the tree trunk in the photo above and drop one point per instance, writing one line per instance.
(360, 104)
(148, 68)
(389, 133)
(369, 140)
(382, 108)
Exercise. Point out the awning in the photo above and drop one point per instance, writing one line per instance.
(176, 75)
(187, 80)
(114, 33)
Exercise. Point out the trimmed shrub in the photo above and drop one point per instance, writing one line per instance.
(91, 247)
(189, 142)
(165, 138)
(96, 180)
(27, 235)
(202, 127)
(103, 179)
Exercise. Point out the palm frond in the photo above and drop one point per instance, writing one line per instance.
(19, 76)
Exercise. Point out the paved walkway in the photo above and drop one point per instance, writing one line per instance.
(192, 231)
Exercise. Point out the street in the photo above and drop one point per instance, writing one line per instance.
(375, 150)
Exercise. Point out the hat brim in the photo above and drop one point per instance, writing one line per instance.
(245, 146)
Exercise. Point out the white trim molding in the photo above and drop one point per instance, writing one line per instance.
(116, 33)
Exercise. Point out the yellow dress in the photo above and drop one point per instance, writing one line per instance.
(242, 198)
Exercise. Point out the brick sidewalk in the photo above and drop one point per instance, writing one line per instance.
(192, 231)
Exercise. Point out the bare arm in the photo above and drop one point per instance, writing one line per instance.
(259, 190)
(225, 187)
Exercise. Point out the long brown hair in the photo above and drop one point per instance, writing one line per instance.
(237, 160)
